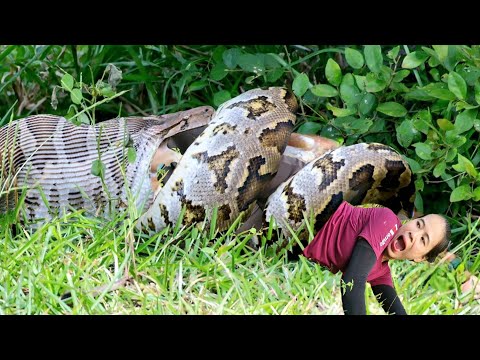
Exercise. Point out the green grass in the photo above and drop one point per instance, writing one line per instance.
(109, 269)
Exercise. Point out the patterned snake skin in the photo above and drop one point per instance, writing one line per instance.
(360, 174)
(227, 166)
(52, 158)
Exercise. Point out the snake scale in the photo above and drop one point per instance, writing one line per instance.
(360, 173)
(52, 158)
(230, 163)
(226, 167)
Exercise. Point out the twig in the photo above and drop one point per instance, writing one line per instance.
(194, 50)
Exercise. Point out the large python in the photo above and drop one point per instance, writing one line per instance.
(227, 167)
(52, 158)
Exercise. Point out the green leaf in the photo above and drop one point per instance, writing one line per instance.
(418, 94)
(414, 59)
(197, 85)
(469, 73)
(374, 82)
(333, 72)
(107, 91)
(269, 61)
(414, 165)
(433, 61)
(435, 74)
(464, 120)
(230, 57)
(324, 90)
(392, 54)
(98, 168)
(419, 184)
(445, 124)
(67, 82)
(310, 127)
(463, 105)
(367, 103)
(361, 126)
(422, 121)
(399, 76)
(392, 109)
(274, 75)
(353, 125)
(337, 112)
(131, 155)
(83, 119)
(467, 165)
(218, 72)
(360, 80)
(442, 51)
(349, 91)
(424, 151)
(457, 85)
(463, 192)
(406, 133)
(300, 84)
(477, 91)
(476, 125)
(220, 97)
(373, 57)
(432, 53)
(76, 96)
(354, 58)
(451, 154)
(251, 63)
(418, 203)
(458, 167)
(439, 168)
(476, 194)
(439, 91)
(453, 139)
(399, 87)
(250, 79)
(217, 54)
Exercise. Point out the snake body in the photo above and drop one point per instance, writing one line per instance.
(360, 173)
(229, 164)
(227, 167)
(52, 159)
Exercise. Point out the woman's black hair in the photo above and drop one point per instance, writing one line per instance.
(442, 245)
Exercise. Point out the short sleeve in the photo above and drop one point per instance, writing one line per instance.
(380, 228)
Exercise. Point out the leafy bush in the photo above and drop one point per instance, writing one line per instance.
(421, 100)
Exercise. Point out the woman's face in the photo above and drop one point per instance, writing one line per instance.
(415, 239)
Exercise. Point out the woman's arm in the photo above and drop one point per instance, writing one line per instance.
(355, 276)
(388, 298)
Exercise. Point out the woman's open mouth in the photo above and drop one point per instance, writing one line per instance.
(399, 244)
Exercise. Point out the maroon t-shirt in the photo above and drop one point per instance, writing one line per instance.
(333, 245)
